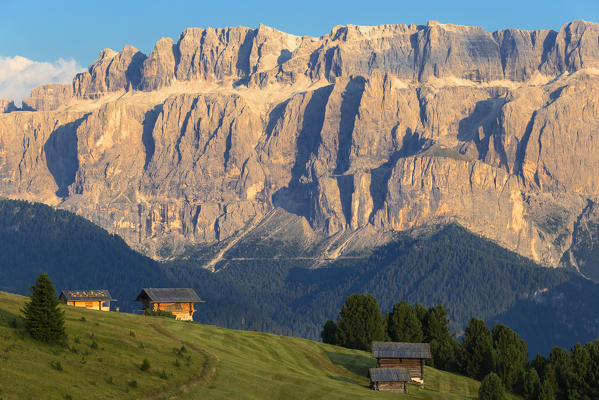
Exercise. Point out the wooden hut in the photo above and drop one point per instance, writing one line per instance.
(408, 355)
(390, 379)
(178, 301)
(93, 299)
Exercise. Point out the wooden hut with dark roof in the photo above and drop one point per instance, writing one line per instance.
(97, 299)
(178, 301)
(408, 355)
(390, 379)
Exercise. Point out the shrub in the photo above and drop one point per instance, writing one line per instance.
(145, 365)
(132, 384)
(94, 345)
(56, 365)
(163, 375)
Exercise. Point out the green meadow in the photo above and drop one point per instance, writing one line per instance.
(104, 353)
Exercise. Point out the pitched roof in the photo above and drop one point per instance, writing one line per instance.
(173, 295)
(400, 350)
(401, 374)
(86, 295)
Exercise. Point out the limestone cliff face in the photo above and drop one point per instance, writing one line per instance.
(364, 130)
(111, 72)
(7, 106)
(48, 97)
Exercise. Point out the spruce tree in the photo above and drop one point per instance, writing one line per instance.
(512, 355)
(403, 324)
(329, 332)
(531, 385)
(360, 322)
(491, 388)
(478, 358)
(43, 319)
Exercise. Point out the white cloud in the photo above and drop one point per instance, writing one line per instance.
(18, 75)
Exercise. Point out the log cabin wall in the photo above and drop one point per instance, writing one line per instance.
(91, 305)
(401, 387)
(181, 311)
(414, 365)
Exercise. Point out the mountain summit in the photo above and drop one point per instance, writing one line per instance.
(361, 132)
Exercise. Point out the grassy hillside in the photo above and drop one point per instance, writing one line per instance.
(105, 351)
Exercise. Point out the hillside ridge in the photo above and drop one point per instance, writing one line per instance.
(186, 360)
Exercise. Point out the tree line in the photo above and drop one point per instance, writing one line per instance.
(497, 356)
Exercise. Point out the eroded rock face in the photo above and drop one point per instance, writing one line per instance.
(111, 72)
(367, 129)
(48, 97)
(7, 106)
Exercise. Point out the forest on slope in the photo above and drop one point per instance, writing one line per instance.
(447, 265)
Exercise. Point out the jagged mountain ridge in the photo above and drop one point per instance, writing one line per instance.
(362, 131)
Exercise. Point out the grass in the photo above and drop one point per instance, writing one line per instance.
(101, 358)
(188, 361)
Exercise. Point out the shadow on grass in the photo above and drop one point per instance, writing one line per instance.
(355, 363)
(11, 319)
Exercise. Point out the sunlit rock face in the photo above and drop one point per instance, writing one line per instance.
(364, 130)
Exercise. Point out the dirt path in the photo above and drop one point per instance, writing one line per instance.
(206, 372)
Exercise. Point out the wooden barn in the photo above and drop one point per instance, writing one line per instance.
(93, 299)
(408, 355)
(178, 301)
(389, 379)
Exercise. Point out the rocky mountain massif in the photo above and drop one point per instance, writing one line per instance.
(361, 132)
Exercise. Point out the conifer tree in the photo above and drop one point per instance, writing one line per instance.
(403, 324)
(360, 322)
(491, 388)
(478, 358)
(43, 319)
(329, 332)
(512, 355)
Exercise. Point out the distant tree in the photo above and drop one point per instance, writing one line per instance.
(531, 385)
(582, 374)
(444, 346)
(511, 355)
(477, 358)
(491, 388)
(403, 324)
(547, 392)
(360, 322)
(42, 318)
(329, 332)
(435, 324)
(539, 364)
(421, 313)
(562, 368)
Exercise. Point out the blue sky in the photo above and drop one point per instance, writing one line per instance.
(45, 41)
(45, 30)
